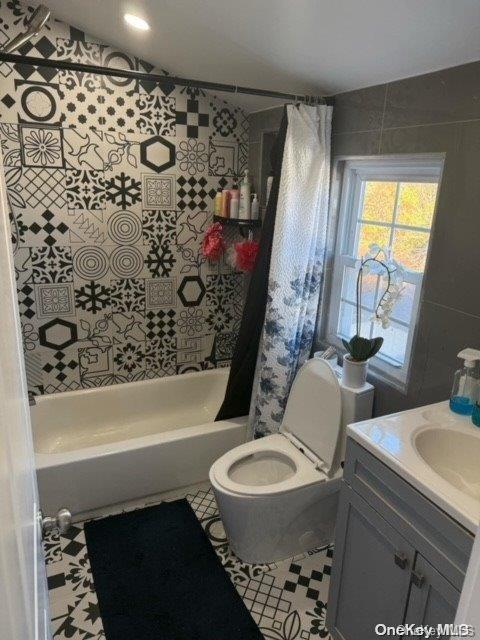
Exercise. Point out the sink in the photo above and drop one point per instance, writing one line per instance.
(434, 449)
(454, 455)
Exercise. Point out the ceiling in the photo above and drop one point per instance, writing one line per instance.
(297, 46)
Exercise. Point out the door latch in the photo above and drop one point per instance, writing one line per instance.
(61, 522)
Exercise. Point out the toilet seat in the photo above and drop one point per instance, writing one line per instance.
(282, 450)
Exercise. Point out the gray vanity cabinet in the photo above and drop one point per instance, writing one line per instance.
(432, 598)
(398, 558)
(374, 574)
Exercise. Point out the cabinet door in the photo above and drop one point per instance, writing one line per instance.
(371, 571)
(433, 600)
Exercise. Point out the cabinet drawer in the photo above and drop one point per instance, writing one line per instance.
(445, 543)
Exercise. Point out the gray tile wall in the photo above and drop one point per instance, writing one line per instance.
(437, 112)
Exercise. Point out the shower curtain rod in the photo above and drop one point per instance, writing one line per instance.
(156, 78)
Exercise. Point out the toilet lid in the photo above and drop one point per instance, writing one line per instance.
(314, 410)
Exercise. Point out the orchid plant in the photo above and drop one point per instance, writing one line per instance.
(378, 261)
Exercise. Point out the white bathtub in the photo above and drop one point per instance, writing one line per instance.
(110, 445)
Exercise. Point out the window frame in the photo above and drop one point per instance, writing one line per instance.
(407, 168)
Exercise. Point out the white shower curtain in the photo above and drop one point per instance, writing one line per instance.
(296, 266)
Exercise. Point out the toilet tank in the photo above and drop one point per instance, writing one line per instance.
(357, 405)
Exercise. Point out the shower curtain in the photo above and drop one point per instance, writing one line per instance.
(296, 264)
(239, 388)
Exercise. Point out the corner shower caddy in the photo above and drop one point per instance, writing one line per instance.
(244, 226)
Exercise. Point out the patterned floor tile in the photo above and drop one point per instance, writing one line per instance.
(286, 599)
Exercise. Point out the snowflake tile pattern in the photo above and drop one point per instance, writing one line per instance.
(160, 261)
(123, 190)
(111, 183)
(93, 297)
(287, 599)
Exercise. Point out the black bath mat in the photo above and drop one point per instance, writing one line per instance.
(157, 577)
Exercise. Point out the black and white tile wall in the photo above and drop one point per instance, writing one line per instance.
(110, 185)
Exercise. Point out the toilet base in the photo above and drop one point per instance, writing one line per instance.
(266, 529)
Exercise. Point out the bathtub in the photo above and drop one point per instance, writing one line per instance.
(99, 447)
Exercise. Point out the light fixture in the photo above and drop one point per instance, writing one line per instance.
(136, 21)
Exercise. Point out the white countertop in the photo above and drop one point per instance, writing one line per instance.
(391, 440)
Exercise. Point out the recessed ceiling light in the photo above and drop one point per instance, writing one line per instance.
(135, 21)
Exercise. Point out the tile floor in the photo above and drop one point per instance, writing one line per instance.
(286, 599)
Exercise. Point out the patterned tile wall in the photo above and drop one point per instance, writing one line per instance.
(110, 185)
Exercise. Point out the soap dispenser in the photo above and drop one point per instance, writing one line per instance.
(465, 383)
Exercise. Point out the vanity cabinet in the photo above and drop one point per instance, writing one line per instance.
(398, 558)
(432, 599)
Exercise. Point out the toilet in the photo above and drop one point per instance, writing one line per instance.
(278, 495)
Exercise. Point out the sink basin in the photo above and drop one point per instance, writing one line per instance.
(454, 455)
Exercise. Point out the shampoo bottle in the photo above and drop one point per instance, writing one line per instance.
(234, 192)
(465, 383)
(244, 208)
(217, 203)
(225, 210)
(234, 205)
(254, 208)
(269, 187)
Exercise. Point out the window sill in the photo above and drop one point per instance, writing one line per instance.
(375, 374)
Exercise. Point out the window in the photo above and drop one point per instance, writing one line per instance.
(390, 202)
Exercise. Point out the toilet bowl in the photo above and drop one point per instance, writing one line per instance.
(278, 495)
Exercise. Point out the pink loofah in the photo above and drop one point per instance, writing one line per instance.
(213, 245)
(246, 254)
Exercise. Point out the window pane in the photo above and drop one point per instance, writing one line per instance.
(379, 201)
(404, 306)
(395, 341)
(370, 233)
(416, 203)
(347, 322)
(410, 248)
(349, 287)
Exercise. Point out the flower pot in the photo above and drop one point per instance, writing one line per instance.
(354, 374)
